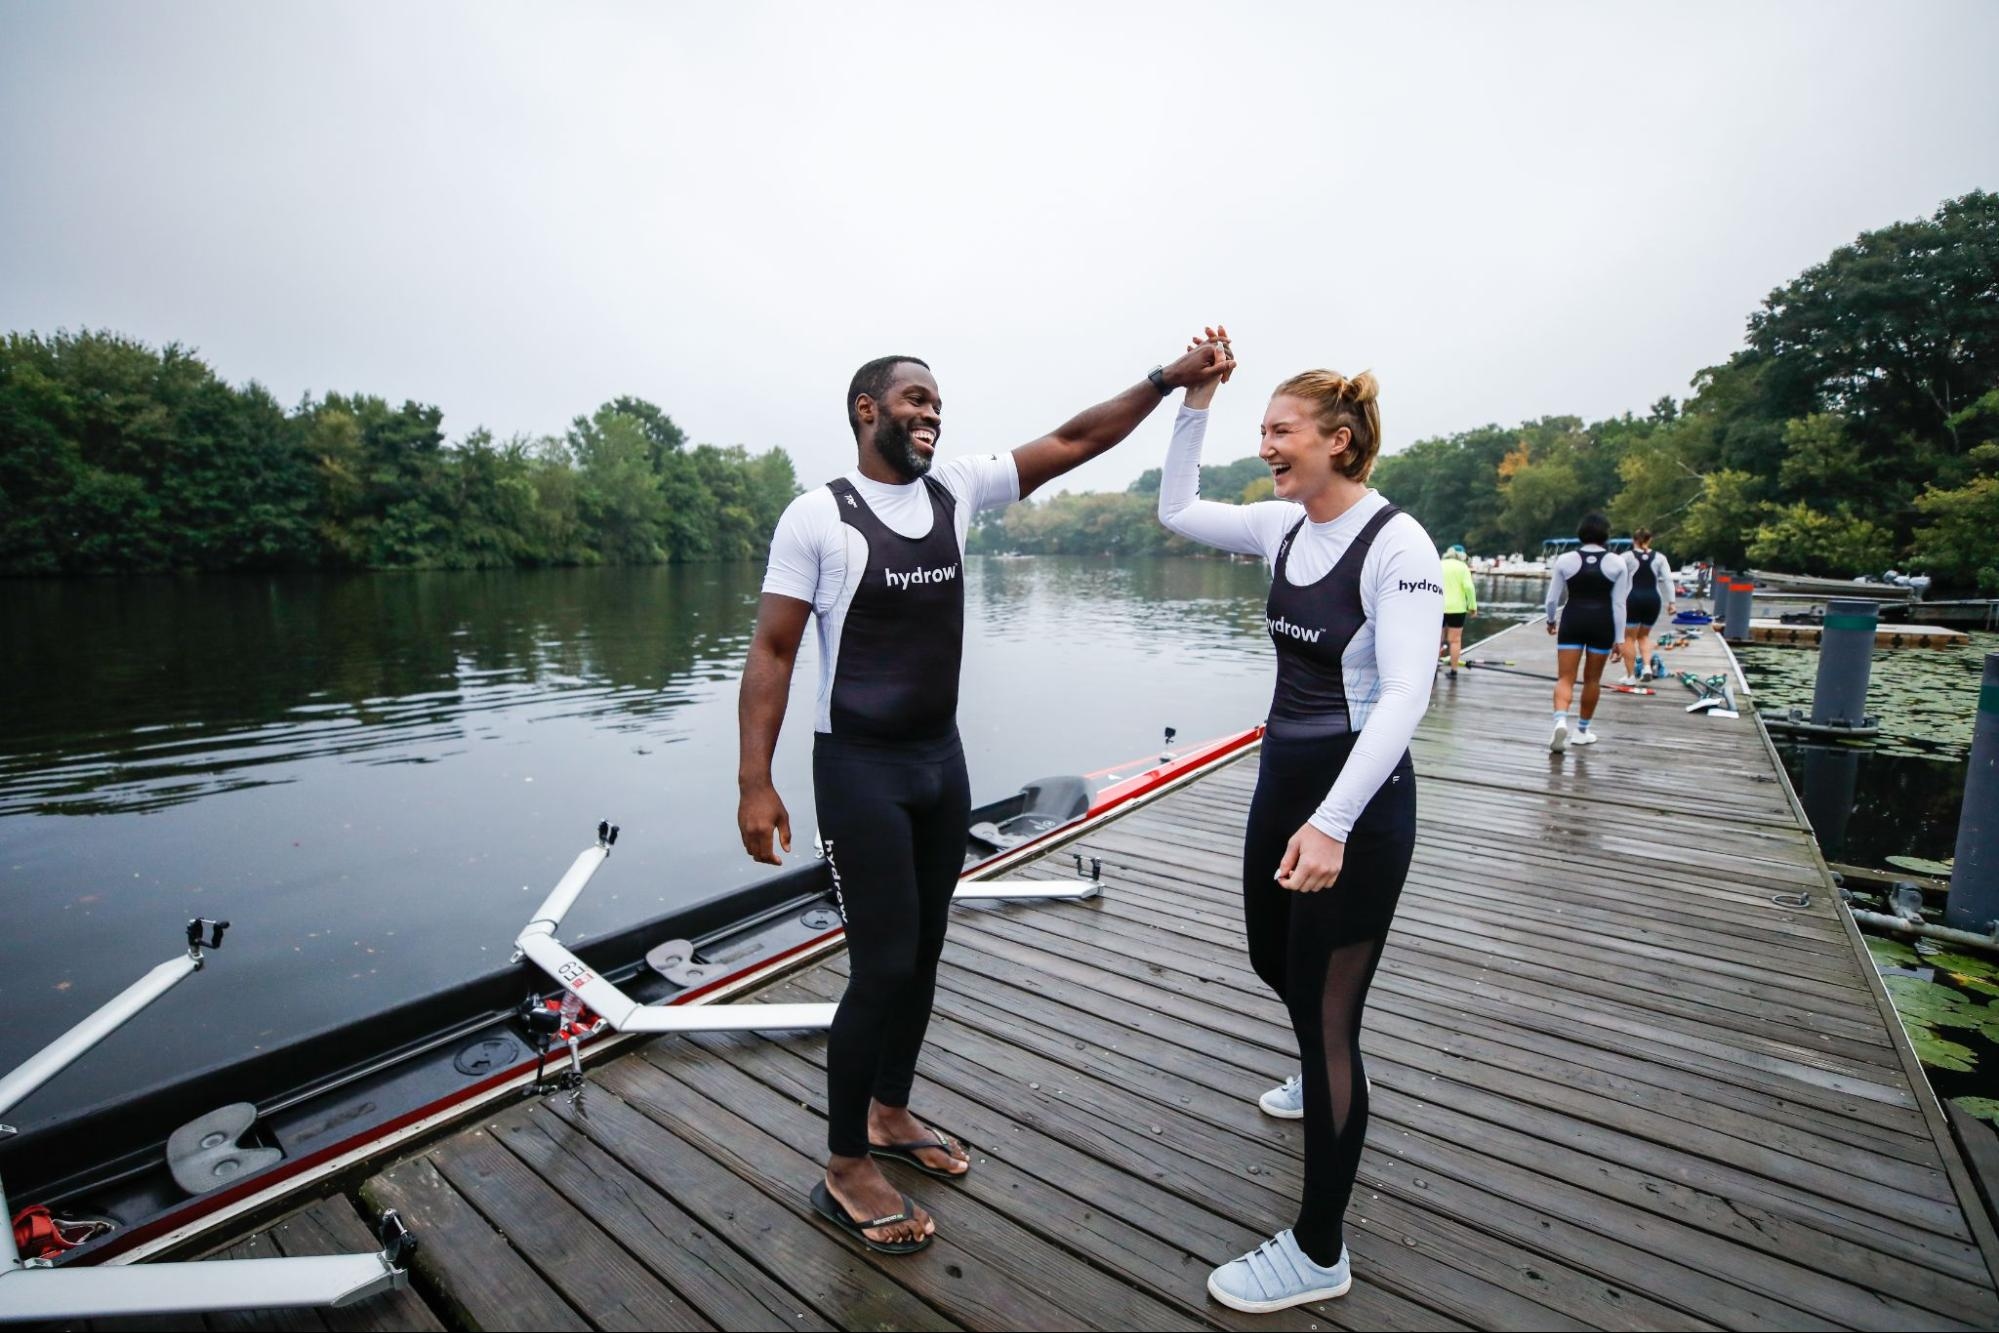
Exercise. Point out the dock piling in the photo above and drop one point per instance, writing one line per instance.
(1741, 605)
(1846, 660)
(1974, 879)
(1830, 776)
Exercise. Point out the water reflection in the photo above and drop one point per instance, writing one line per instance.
(1900, 795)
(136, 695)
(1193, 608)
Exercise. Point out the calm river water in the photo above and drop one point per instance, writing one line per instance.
(376, 777)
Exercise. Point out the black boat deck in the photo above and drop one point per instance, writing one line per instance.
(1615, 1086)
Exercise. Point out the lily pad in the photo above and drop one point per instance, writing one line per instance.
(1893, 953)
(1931, 1005)
(1938, 1053)
(1988, 1020)
(1964, 965)
(1985, 1108)
(1918, 865)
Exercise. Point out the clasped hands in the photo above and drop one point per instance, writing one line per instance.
(1210, 360)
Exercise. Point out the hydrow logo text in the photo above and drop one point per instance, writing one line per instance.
(1299, 632)
(943, 575)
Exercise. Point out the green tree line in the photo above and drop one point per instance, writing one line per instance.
(1858, 427)
(1109, 522)
(118, 457)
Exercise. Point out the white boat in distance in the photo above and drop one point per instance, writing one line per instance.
(1804, 585)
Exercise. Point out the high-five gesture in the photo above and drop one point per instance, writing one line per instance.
(1221, 365)
(1206, 362)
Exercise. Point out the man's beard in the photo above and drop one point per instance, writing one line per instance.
(898, 450)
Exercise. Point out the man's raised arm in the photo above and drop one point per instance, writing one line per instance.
(759, 714)
(1095, 430)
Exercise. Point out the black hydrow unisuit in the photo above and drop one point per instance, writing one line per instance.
(237, 1137)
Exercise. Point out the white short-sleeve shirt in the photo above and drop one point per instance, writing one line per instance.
(818, 559)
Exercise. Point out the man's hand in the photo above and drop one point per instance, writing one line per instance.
(1215, 343)
(1311, 861)
(1206, 359)
(760, 713)
(1551, 629)
(760, 815)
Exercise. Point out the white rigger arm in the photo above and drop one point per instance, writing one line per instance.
(34, 1290)
(65, 1050)
(188, 1288)
(540, 946)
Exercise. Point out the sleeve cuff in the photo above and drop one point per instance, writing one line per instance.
(783, 587)
(1332, 828)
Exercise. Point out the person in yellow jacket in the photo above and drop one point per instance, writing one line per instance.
(1460, 600)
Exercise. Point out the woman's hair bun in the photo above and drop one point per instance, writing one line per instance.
(1338, 401)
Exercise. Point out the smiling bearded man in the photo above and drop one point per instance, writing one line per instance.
(878, 556)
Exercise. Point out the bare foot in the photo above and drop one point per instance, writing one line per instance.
(859, 1186)
(894, 1124)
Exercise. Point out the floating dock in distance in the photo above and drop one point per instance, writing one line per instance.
(1620, 1080)
(1976, 612)
(1885, 636)
(1959, 613)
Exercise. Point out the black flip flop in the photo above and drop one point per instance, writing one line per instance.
(829, 1208)
(906, 1153)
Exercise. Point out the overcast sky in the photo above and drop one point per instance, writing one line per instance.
(518, 211)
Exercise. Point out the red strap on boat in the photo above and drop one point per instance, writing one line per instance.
(36, 1235)
(40, 1234)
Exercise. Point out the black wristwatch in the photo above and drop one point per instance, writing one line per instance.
(1158, 377)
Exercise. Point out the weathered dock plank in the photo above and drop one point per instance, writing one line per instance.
(1623, 1078)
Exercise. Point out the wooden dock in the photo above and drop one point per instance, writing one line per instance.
(1620, 1081)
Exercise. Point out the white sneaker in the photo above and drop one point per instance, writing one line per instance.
(1277, 1275)
(1560, 740)
(1584, 738)
(1286, 1101)
(1630, 679)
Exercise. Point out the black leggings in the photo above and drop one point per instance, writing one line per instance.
(1318, 952)
(893, 822)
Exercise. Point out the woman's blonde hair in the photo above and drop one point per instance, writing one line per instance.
(1339, 401)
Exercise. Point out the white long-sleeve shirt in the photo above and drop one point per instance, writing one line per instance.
(1391, 662)
(1568, 564)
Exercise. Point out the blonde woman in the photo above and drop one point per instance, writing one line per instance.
(1356, 596)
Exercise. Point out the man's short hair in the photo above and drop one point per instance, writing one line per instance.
(873, 380)
(1594, 530)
